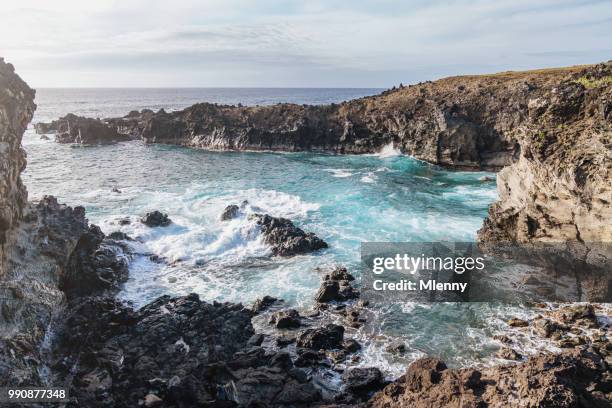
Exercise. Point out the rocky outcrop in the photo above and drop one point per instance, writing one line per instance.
(51, 256)
(77, 129)
(559, 192)
(156, 219)
(468, 121)
(178, 352)
(16, 110)
(336, 287)
(285, 238)
(571, 379)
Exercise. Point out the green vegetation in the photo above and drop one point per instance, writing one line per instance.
(594, 83)
(540, 140)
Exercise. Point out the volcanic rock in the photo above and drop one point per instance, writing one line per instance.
(286, 319)
(570, 379)
(285, 238)
(77, 129)
(322, 338)
(230, 212)
(156, 219)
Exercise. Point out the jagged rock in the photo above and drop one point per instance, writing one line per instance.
(16, 110)
(363, 381)
(184, 351)
(95, 264)
(508, 354)
(570, 379)
(77, 129)
(285, 238)
(230, 212)
(264, 303)
(351, 345)
(396, 348)
(286, 319)
(558, 190)
(516, 322)
(156, 219)
(336, 287)
(322, 338)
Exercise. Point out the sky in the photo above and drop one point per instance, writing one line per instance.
(308, 43)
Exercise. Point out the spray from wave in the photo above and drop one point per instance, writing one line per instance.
(389, 150)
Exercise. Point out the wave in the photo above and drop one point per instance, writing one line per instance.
(340, 173)
(389, 151)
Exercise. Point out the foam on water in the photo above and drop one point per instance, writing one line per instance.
(345, 200)
(389, 150)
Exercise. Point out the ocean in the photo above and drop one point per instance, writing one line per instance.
(345, 200)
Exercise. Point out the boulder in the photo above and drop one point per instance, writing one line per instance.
(322, 338)
(363, 381)
(285, 238)
(156, 219)
(264, 303)
(286, 319)
(230, 212)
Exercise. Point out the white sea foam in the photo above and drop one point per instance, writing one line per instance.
(340, 173)
(369, 178)
(389, 151)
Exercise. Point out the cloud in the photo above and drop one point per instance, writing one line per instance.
(294, 43)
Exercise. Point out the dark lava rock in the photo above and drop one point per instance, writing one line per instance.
(96, 264)
(336, 287)
(156, 219)
(230, 212)
(285, 238)
(119, 236)
(286, 319)
(351, 345)
(322, 338)
(363, 381)
(184, 351)
(264, 303)
(339, 274)
(77, 129)
(396, 348)
(308, 357)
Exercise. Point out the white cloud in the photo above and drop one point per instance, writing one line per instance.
(293, 43)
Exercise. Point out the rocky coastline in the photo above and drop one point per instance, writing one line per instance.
(61, 323)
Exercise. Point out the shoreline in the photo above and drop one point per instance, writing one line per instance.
(183, 350)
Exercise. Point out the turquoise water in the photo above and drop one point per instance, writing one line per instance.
(343, 199)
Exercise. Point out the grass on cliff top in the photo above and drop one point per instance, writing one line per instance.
(594, 83)
(511, 74)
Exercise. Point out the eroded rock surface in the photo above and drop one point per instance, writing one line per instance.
(183, 351)
(559, 191)
(16, 110)
(77, 129)
(285, 238)
(571, 379)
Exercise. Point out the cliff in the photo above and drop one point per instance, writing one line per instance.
(550, 131)
(16, 110)
(560, 188)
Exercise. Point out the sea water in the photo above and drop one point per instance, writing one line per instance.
(345, 200)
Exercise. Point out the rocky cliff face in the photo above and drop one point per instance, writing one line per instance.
(551, 128)
(559, 191)
(16, 110)
(462, 122)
